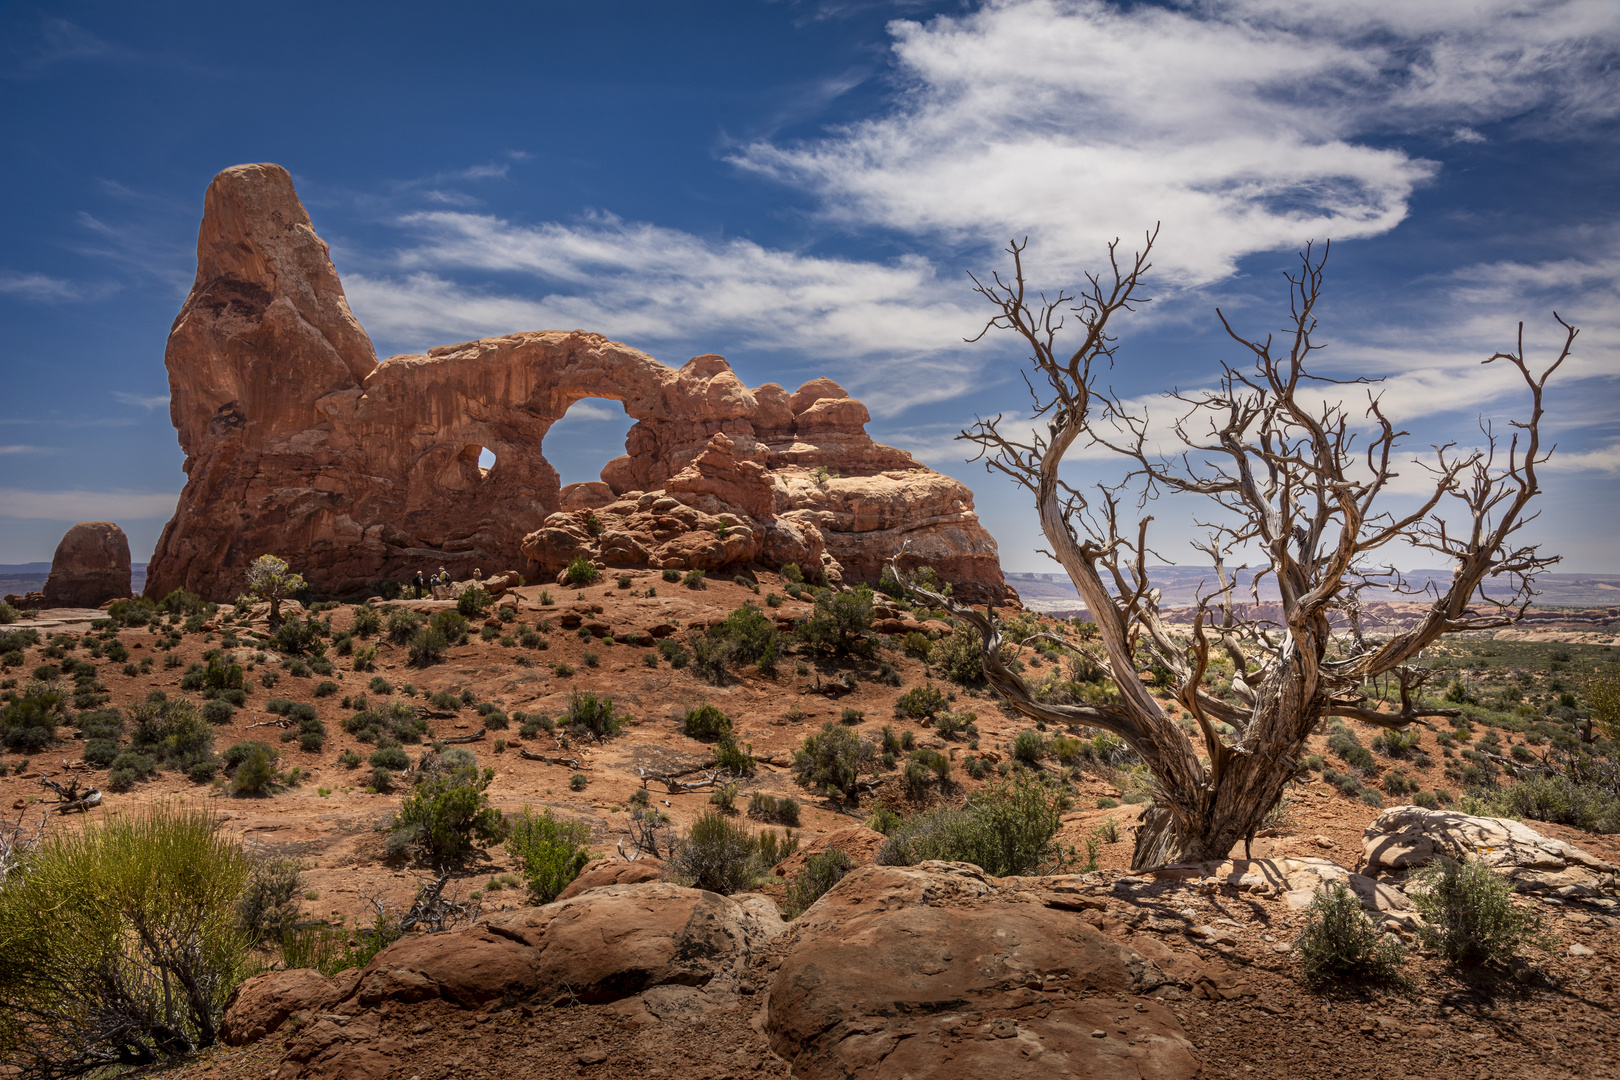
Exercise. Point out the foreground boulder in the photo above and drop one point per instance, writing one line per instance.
(91, 566)
(298, 439)
(1406, 837)
(926, 971)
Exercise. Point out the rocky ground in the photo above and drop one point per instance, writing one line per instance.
(1236, 991)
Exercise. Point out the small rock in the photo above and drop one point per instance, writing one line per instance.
(1099, 1034)
(1580, 950)
(1322, 842)
(592, 1055)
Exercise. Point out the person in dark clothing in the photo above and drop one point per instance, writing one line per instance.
(421, 583)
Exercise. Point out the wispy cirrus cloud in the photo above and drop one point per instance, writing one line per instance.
(645, 284)
(85, 505)
(144, 401)
(1243, 125)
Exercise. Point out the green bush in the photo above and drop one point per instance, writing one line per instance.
(254, 772)
(1028, 747)
(396, 720)
(706, 722)
(959, 657)
(390, 757)
(28, 724)
(119, 943)
(1005, 829)
(171, 732)
(671, 575)
(831, 760)
(1339, 941)
(218, 712)
(367, 621)
(447, 817)
(581, 572)
(821, 872)
(551, 851)
(1560, 800)
(920, 702)
(268, 906)
(840, 622)
(593, 715)
(403, 623)
(718, 855)
(1470, 916)
(1343, 742)
(752, 636)
(474, 600)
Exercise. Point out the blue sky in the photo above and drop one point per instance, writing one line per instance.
(803, 187)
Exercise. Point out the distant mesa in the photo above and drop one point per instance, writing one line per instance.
(301, 443)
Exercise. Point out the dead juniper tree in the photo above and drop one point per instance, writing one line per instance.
(1272, 453)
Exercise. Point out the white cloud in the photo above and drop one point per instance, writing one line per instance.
(1075, 121)
(644, 284)
(39, 288)
(584, 410)
(145, 401)
(85, 505)
(22, 449)
(1605, 459)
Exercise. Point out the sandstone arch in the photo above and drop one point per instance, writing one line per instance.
(300, 442)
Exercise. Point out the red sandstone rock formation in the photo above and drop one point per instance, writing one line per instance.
(300, 443)
(91, 566)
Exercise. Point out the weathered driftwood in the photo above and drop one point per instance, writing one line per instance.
(451, 740)
(70, 797)
(677, 787)
(572, 763)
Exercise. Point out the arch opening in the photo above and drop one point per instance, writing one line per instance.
(481, 458)
(588, 436)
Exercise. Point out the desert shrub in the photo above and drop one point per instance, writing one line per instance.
(706, 722)
(581, 572)
(593, 715)
(919, 702)
(495, 719)
(367, 621)
(831, 760)
(218, 712)
(403, 623)
(851, 715)
(391, 757)
(1426, 800)
(396, 720)
(717, 854)
(671, 575)
(120, 943)
(958, 657)
(1560, 800)
(474, 600)
(1397, 744)
(1005, 829)
(840, 622)
(101, 752)
(1343, 742)
(821, 872)
(1065, 749)
(752, 636)
(551, 851)
(29, 723)
(254, 771)
(447, 817)
(326, 688)
(734, 758)
(1028, 747)
(1339, 941)
(1470, 914)
(674, 652)
(711, 654)
(429, 643)
(299, 637)
(171, 732)
(268, 906)
(1371, 797)
(578, 782)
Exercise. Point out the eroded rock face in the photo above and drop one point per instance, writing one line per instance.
(91, 566)
(921, 972)
(1406, 837)
(300, 442)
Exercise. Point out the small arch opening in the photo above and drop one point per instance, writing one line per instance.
(589, 435)
(481, 458)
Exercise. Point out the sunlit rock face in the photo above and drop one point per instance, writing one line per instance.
(300, 442)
